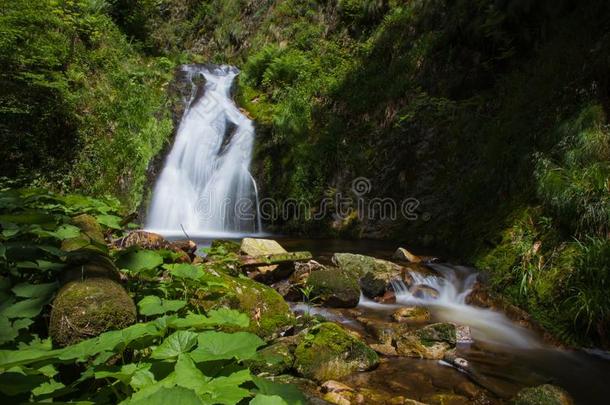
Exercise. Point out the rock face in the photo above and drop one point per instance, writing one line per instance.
(327, 351)
(543, 395)
(429, 342)
(84, 309)
(334, 287)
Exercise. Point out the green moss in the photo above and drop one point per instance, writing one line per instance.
(334, 287)
(543, 395)
(327, 352)
(275, 359)
(84, 309)
(437, 332)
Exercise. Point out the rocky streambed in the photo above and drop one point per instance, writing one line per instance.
(410, 330)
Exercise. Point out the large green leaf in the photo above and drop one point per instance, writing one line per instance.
(28, 308)
(225, 346)
(47, 388)
(28, 290)
(178, 342)
(261, 399)
(287, 392)
(111, 221)
(226, 390)
(173, 395)
(185, 271)
(188, 375)
(140, 260)
(153, 305)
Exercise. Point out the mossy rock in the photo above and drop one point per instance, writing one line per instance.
(268, 311)
(225, 246)
(373, 286)
(546, 394)
(90, 227)
(429, 342)
(84, 309)
(92, 266)
(327, 352)
(335, 288)
(360, 265)
(275, 359)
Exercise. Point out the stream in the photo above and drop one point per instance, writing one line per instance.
(503, 356)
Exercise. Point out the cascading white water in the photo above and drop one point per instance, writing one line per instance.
(205, 186)
(452, 285)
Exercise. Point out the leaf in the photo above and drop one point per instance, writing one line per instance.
(25, 309)
(185, 271)
(289, 393)
(225, 346)
(188, 375)
(153, 305)
(47, 388)
(174, 395)
(28, 290)
(178, 342)
(226, 390)
(261, 399)
(111, 221)
(139, 260)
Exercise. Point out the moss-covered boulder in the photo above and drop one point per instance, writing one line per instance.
(546, 394)
(268, 311)
(429, 342)
(411, 314)
(334, 287)
(360, 265)
(275, 359)
(373, 286)
(327, 351)
(90, 227)
(84, 309)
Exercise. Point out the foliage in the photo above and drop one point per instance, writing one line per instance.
(174, 351)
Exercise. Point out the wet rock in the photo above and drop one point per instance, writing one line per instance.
(335, 386)
(260, 247)
(424, 292)
(447, 399)
(84, 309)
(291, 288)
(327, 351)
(334, 287)
(338, 398)
(373, 286)
(404, 255)
(384, 349)
(411, 314)
(546, 394)
(463, 334)
(429, 342)
(389, 297)
(384, 332)
(359, 265)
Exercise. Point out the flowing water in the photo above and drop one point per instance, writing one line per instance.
(205, 187)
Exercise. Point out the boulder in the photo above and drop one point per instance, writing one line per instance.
(327, 351)
(184, 250)
(404, 255)
(334, 287)
(386, 333)
(373, 286)
(411, 314)
(424, 292)
(261, 247)
(429, 342)
(90, 227)
(359, 265)
(269, 313)
(84, 309)
(546, 394)
(275, 359)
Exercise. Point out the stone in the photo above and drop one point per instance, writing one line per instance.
(373, 286)
(84, 309)
(411, 314)
(275, 359)
(143, 239)
(384, 349)
(424, 292)
(338, 398)
(430, 342)
(546, 394)
(260, 247)
(334, 287)
(463, 334)
(90, 227)
(359, 265)
(404, 255)
(328, 352)
(255, 247)
(335, 386)
(389, 297)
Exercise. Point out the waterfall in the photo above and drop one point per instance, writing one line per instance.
(205, 186)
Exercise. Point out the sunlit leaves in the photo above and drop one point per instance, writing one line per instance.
(153, 305)
(225, 346)
(177, 343)
(140, 260)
